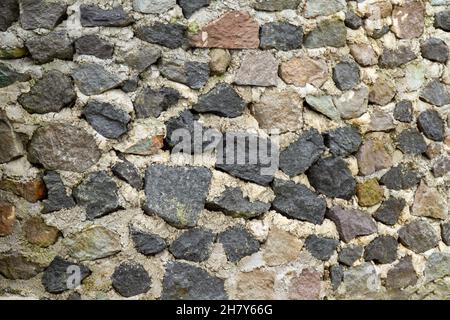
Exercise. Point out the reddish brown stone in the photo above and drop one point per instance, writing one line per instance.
(408, 20)
(7, 218)
(39, 233)
(233, 30)
(32, 191)
(305, 286)
(304, 70)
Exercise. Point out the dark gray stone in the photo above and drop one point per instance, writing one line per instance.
(9, 13)
(442, 20)
(346, 75)
(435, 93)
(130, 279)
(9, 76)
(189, 7)
(328, 33)
(93, 79)
(130, 85)
(411, 141)
(419, 236)
(301, 154)
(46, 97)
(395, 58)
(280, 36)
(56, 276)
(93, 45)
(238, 243)
(55, 45)
(151, 103)
(108, 120)
(350, 254)
(351, 223)
(379, 33)
(222, 100)
(57, 198)
(352, 20)
(336, 276)
(332, 177)
(435, 49)
(193, 245)
(402, 274)
(389, 211)
(400, 178)
(147, 244)
(127, 172)
(98, 194)
(382, 249)
(176, 194)
(403, 111)
(320, 247)
(170, 35)
(445, 232)
(343, 141)
(191, 73)
(183, 281)
(12, 146)
(298, 202)
(94, 16)
(431, 125)
(41, 14)
(142, 57)
(14, 266)
(232, 202)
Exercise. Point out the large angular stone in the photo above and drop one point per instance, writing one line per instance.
(350, 254)
(194, 74)
(353, 103)
(315, 8)
(438, 266)
(382, 249)
(364, 54)
(419, 236)
(152, 102)
(57, 198)
(369, 193)
(93, 79)
(382, 91)
(408, 20)
(193, 245)
(94, 46)
(142, 57)
(41, 14)
(432, 125)
(257, 284)
(7, 218)
(394, 58)
(343, 141)
(321, 248)
(238, 243)
(37, 232)
(12, 147)
(281, 36)
(59, 276)
(153, 6)
(281, 247)
(146, 243)
(403, 111)
(402, 274)
(189, 7)
(165, 34)
(436, 93)
(306, 285)
(94, 16)
(346, 75)
(257, 69)
(352, 20)
(428, 202)
(411, 141)
(303, 71)
(222, 100)
(46, 48)
(375, 153)
(9, 13)
(400, 177)
(63, 147)
(328, 33)
(351, 223)
(435, 49)
(176, 194)
(389, 211)
(15, 266)
(130, 279)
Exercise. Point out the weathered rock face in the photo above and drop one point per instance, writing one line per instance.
(303, 71)
(402, 274)
(305, 286)
(56, 276)
(350, 254)
(364, 54)
(351, 223)
(323, 105)
(9, 13)
(375, 153)
(381, 250)
(394, 58)
(411, 141)
(57, 198)
(320, 247)
(146, 243)
(276, 5)
(153, 6)
(238, 243)
(41, 14)
(127, 172)
(389, 211)
(314, 8)
(403, 111)
(189, 7)
(419, 236)
(31, 190)
(346, 75)
(15, 266)
(219, 61)
(438, 266)
(428, 202)
(281, 36)
(151, 103)
(369, 193)
(95, 46)
(193, 245)
(191, 73)
(39, 233)
(353, 103)
(94, 16)
(168, 35)
(343, 141)
(12, 147)
(436, 93)
(257, 284)
(329, 33)
(55, 45)
(93, 79)
(281, 247)
(7, 218)
(259, 69)
(361, 280)
(431, 124)
(9, 76)
(408, 20)
(400, 178)
(130, 279)
(223, 100)
(435, 49)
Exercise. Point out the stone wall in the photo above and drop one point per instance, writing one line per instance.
(355, 94)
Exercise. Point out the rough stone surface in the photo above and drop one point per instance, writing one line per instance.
(31, 190)
(346, 75)
(428, 202)
(435, 49)
(303, 71)
(281, 247)
(15, 266)
(9, 76)
(408, 20)
(403, 111)
(315, 8)
(37, 232)
(56, 276)
(441, 167)
(193, 245)
(12, 147)
(382, 92)
(436, 93)
(219, 61)
(130, 279)
(329, 33)
(320, 247)
(280, 36)
(257, 284)
(146, 243)
(305, 286)
(57, 198)
(411, 141)
(353, 103)
(369, 193)
(189, 7)
(442, 20)
(438, 266)
(41, 14)
(374, 154)
(350, 254)
(361, 280)
(260, 69)
(191, 73)
(154, 6)
(364, 54)
(165, 34)
(127, 172)
(238, 243)
(402, 275)
(419, 236)
(276, 5)
(151, 103)
(9, 13)
(382, 250)
(400, 178)
(94, 16)
(352, 20)
(445, 232)
(93, 79)
(323, 105)
(223, 101)
(343, 141)
(141, 59)
(7, 218)
(351, 223)
(431, 124)
(394, 58)
(389, 211)
(46, 48)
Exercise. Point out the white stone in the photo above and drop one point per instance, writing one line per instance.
(153, 6)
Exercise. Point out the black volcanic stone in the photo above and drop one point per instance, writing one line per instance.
(320, 247)
(57, 198)
(389, 211)
(165, 34)
(382, 249)
(343, 141)
(146, 243)
(400, 178)
(130, 279)
(280, 36)
(238, 243)
(94, 16)
(193, 245)
(59, 274)
(222, 100)
(93, 45)
(431, 125)
(189, 7)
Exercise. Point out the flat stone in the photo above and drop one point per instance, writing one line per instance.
(98, 194)
(176, 194)
(94, 16)
(336, 276)
(323, 105)
(375, 154)
(369, 193)
(389, 211)
(93, 45)
(257, 69)
(346, 75)
(301, 154)
(328, 33)
(402, 274)
(232, 30)
(343, 141)
(441, 167)
(281, 248)
(184, 281)
(36, 14)
(7, 218)
(93, 79)
(298, 202)
(353, 103)
(350, 254)
(46, 48)
(31, 190)
(431, 125)
(57, 198)
(131, 279)
(321, 248)
(142, 57)
(306, 285)
(436, 93)
(257, 284)
(419, 236)
(238, 243)
(275, 5)
(281, 110)
(191, 73)
(316, 8)
(9, 76)
(146, 243)
(442, 20)
(303, 71)
(364, 54)
(93, 243)
(127, 172)
(435, 49)
(151, 102)
(12, 147)
(37, 232)
(193, 245)
(411, 141)
(189, 7)
(153, 6)
(222, 100)
(351, 223)
(170, 35)
(352, 20)
(9, 13)
(428, 202)
(403, 111)
(219, 61)
(45, 97)
(445, 232)
(394, 58)
(381, 120)
(361, 280)
(438, 266)
(58, 277)
(280, 36)
(15, 266)
(408, 20)
(332, 177)
(63, 147)
(400, 178)
(382, 250)
(233, 203)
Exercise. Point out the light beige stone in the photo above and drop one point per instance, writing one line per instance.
(281, 247)
(304, 70)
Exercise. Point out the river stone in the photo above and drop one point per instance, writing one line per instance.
(257, 69)
(57, 277)
(350, 254)
(428, 202)
(332, 177)
(194, 74)
(346, 75)
(321, 248)
(98, 194)
(238, 243)
(408, 20)
(233, 203)
(435, 49)
(151, 102)
(328, 33)
(189, 7)
(352, 20)
(402, 274)
(146, 243)
(382, 250)
(93, 79)
(176, 194)
(93, 243)
(389, 211)
(12, 147)
(300, 155)
(442, 20)
(375, 153)
(63, 147)
(382, 91)
(219, 61)
(363, 54)
(418, 235)
(411, 141)
(127, 172)
(46, 48)
(15, 266)
(130, 279)
(351, 223)
(41, 14)
(94, 16)
(394, 58)
(304, 70)
(275, 5)
(431, 125)
(298, 202)
(436, 93)
(353, 103)
(280, 36)
(222, 100)
(57, 198)
(9, 13)
(323, 105)
(193, 245)
(438, 266)
(184, 281)
(45, 97)
(93, 45)
(403, 111)
(400, 178)
(153, 6)
(343, 141)
(9, 76)
(170, 35)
